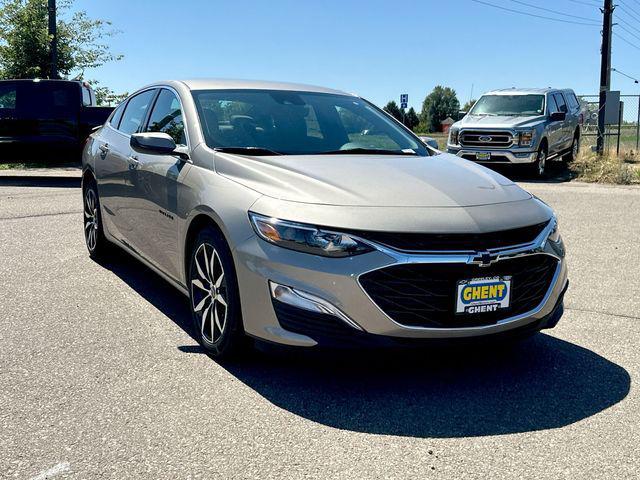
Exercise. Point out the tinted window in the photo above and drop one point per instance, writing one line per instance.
(166, 117)
(117, 115)
(135, 111)
(562, 106)
(297, 123)
(8, 94)
(553, 106)
(86, 97)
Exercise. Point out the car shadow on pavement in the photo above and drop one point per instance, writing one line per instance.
(538, 384)
(557, 172)
(40, 181)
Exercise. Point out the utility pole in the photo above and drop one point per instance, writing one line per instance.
(53, 45)
(605, 70)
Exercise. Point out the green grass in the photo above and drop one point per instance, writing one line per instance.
(22, 166)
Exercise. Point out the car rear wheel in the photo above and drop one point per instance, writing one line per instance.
(215, 301)
(94, 237)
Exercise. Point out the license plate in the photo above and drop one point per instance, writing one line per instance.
(483, 156)
(483, 295)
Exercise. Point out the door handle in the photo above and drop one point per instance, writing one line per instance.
(134, 161)
(104, 148)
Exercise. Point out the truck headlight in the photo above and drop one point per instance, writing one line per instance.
(306, 238)
(526, 138)
(454, 133)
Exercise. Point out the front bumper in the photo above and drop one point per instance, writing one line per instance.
(336, 282)
(498, 156)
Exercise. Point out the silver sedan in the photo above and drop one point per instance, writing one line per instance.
(306, 216)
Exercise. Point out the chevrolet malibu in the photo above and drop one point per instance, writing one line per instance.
(306, 216)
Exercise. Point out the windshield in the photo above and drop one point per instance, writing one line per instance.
(296, 123)
(520, 105)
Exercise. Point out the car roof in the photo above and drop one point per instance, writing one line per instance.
(526, 91)
(231, 84)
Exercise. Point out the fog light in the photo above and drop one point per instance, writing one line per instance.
(307, 301)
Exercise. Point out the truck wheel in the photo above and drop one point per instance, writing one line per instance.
(575, 149)
(539, 168)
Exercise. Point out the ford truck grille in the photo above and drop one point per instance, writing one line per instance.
(486, 139)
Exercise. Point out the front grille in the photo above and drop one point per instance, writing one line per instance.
(438, 242)
(494, 139)
(424, 295)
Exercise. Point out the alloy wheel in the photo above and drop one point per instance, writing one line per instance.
(575, 149)
(91, 220)
(542, 162)
(209, 293)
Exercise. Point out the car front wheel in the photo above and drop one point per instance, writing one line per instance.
(215, 301)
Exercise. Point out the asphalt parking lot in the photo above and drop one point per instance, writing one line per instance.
(99, 377)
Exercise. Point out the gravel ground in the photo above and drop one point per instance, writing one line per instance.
(99, 377)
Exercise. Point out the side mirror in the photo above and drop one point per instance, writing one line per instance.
(558, 116)
(156, 142)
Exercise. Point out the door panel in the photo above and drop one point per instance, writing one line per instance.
(158, 188)
(554, 128)
(114, 182)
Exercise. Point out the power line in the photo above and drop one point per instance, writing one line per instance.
(554, 11)
(628, 24)
(580, 2)
(625, 75)
(629, 31)
(625, 6)
(626, 41)
(520, 12)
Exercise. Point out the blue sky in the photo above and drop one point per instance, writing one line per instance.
(375, 48)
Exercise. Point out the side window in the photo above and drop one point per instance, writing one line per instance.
(86, 96)
(573, 101)
(117, 115)
(553, 106)
(562, 106)
(135, 111)
(8, 95)
(166, 117)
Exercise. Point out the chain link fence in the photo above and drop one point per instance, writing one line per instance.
(623, 136)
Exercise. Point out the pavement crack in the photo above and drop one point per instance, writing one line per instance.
(586, 310)
(74, 212)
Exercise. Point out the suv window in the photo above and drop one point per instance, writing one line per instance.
(166, 117)
(135, 112)
(562, 106)
(8, 94)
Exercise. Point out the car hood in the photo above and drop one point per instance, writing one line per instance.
(502, 121)
(371, 180)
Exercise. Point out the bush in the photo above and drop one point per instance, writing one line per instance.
(623, 169)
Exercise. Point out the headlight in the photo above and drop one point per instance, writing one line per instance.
(306, 238)
(454, 133)
(555, 239)
(526, 138)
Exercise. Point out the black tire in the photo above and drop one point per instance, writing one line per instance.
(96, 242)
(538, 169)
(217, 327)
(575, 149)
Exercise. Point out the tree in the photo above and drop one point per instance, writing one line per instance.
(411, 119)
(393, 109)
(469, 105)
(24, 40)
(438, 105)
